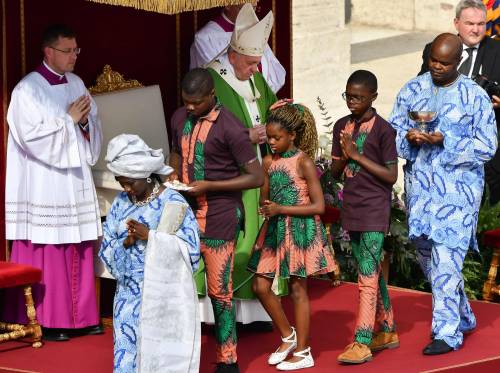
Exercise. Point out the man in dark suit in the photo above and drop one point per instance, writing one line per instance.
(480, 56)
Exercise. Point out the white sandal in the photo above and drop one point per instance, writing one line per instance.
(306, 362)
(277, 356)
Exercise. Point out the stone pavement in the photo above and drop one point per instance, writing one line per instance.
(393, 56)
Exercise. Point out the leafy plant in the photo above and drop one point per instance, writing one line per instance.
(489, 216)
(476, 267)
(325, 116)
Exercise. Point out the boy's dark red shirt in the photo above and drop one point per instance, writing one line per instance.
(366, 202)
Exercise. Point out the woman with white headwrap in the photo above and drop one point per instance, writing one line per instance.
(151, 247)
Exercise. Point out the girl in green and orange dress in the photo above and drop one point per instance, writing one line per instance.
(294, 246)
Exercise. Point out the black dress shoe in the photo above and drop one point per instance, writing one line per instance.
(227, 368)
(54, 335)
(437, 347)
(93, 330)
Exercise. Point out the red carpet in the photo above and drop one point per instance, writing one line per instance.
(486, 365)
(333, 317)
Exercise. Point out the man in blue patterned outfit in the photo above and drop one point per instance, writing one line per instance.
(445, 184)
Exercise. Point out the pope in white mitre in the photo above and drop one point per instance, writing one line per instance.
(214, 37)
(241, 88)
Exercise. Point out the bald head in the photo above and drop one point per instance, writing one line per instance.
(444, 58)
(449, 44)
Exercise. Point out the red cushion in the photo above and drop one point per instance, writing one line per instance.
(492, 238)
(13, 274)
(331, 215)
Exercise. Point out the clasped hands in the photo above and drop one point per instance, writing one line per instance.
(80, 109)
(136, 231)
(348, 146)
(269, 209)
(417, 138)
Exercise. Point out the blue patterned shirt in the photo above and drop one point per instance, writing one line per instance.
(445, 183)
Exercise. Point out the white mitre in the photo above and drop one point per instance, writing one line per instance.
(250, 35)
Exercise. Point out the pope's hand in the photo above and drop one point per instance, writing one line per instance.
(261, 131)
(254, 135)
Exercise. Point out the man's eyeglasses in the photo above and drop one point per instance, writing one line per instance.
(354, 99)
(69, 50)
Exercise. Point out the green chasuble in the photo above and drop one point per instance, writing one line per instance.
(234, 103)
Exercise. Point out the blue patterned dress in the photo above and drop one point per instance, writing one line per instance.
(127, 266)
(444, 187)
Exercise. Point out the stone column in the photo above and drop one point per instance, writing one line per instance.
(321, 55)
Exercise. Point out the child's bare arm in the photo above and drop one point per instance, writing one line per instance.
(264, 189)
(338, 166)
(339, 158)
(388, 174)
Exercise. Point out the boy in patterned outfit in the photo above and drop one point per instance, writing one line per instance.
(364, 150)
(212, 152)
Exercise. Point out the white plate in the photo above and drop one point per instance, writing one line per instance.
(177, 186)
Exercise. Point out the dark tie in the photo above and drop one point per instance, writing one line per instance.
(467, 64)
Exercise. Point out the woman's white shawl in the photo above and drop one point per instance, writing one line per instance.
(169, 318)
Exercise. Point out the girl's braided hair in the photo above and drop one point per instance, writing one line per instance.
(298, 118)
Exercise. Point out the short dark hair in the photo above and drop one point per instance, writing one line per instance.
(53, 32)
(197, 82)
(364, 77)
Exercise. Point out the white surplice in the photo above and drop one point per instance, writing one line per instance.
(212, 39)
(170, 330)
(50, 195)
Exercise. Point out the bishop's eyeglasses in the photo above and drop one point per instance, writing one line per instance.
(68, 51)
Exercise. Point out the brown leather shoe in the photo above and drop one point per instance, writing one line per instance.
(355, 353)
(383, 340)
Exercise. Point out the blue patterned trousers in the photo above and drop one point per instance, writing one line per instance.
(451, 311)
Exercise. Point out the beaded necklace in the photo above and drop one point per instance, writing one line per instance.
(152, 196)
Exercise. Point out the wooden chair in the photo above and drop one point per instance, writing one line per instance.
(490, 288)
(125, 106)
(15, 275)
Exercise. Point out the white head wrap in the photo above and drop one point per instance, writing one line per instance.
(129, 155)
